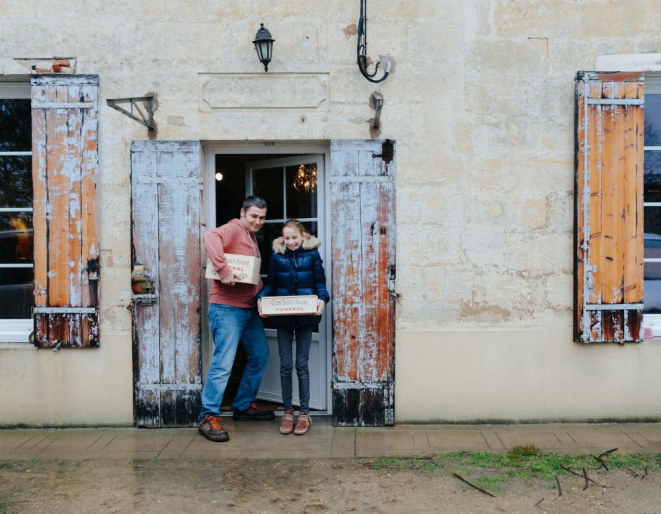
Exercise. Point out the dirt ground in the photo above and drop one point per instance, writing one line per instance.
(314, 486)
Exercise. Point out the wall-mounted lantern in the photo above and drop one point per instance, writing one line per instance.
(264, 46)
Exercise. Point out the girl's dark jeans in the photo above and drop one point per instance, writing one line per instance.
(303, 340)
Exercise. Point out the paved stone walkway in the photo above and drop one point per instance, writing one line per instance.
(261, 440)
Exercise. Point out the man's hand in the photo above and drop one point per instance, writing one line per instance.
(320, 307)
(230, 279)
(259, 308)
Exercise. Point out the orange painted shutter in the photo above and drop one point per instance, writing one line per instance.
(66, 246)
(609, 207)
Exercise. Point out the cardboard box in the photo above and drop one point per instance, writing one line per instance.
(289, 305)
(248, 268)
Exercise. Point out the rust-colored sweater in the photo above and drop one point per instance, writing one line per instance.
(231, 238)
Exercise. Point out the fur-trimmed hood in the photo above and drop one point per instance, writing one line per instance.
(310, 243)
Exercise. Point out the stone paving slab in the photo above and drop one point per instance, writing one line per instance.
(263, 441)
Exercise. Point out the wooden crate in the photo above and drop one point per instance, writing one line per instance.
(289, 305)
(248, 268)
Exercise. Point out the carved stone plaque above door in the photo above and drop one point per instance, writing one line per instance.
(308, 91)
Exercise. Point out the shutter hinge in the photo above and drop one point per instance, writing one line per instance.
(387, 152)
(64, 310)
(389, 416)
(391, 283)
(93, 269)
(615, 307)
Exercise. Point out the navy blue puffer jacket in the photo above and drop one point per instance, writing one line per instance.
(296, 273)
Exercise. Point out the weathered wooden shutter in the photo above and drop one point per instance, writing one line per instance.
(363, 260)
(165, 204)
(609, 207)
(66, 244)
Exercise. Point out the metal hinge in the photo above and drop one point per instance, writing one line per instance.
(387, 152)
(145, 299)
(391, 283)
(63, 105)
(367, 178)
(64, 310)
(615, 307)
(615, 101)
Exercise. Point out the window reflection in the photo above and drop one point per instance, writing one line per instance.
(302, 195)
(15, 125)
(16, 239)
(15, 181)
(267, 183)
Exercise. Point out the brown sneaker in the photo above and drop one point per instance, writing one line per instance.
(287, 426)
(303, 425)
(212, 429)
(253, 413)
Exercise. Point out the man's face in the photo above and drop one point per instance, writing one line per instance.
(253, 218)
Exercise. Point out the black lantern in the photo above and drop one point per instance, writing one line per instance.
(264, 46)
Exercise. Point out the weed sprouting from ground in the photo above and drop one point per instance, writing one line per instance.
(524, 450)
(491, 470)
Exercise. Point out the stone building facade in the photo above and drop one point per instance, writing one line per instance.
(480, 101)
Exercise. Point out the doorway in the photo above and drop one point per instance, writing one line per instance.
(233, 175)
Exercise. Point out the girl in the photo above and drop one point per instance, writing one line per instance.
(295, 268)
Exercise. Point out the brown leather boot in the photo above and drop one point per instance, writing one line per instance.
(303, 425)
(287, 425)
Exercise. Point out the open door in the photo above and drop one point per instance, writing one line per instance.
(165, 213)
(362, 197)
(275, 181)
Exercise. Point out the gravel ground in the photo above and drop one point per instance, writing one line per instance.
(315, 486)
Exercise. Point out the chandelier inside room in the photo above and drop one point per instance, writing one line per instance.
(305, 180)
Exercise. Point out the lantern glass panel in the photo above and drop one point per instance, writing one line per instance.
(264, 51)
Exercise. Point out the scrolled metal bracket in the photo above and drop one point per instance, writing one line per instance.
(362, 49)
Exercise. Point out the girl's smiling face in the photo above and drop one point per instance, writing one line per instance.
(293, 238)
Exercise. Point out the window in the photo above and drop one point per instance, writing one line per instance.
(652, 203)
(16, 236)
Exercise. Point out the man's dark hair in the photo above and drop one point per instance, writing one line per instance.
(253, 201)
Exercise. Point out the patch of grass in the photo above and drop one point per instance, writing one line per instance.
(523, 462)
(6, 501)
(397, 463)
(24, 464)
(490, 483)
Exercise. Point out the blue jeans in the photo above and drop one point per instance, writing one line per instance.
(229, 325)
(303, 341)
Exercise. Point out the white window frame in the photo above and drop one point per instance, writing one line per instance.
(15, 330)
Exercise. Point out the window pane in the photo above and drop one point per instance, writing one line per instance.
(16, 238)
(16, 293)
(652, 176)
(652, 223)
(15, 181)
(267, 183)
(652, 288)
(15, 125)
(265, 237)
(302, 191)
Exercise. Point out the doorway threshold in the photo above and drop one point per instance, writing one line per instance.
(313, 413)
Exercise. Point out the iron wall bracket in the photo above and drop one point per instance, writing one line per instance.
(147, 121)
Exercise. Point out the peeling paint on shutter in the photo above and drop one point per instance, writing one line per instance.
(609, 207)
(66, 245)
(165, 205)
(363, 259)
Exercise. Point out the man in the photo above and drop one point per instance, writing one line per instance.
(233, 318)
